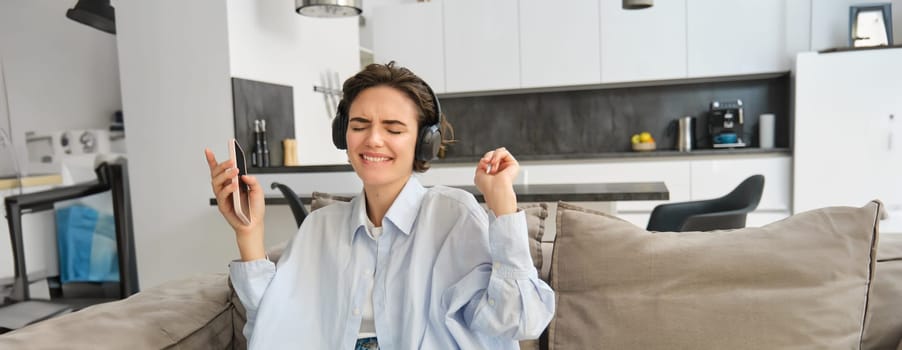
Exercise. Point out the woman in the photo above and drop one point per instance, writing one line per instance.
(400, 266)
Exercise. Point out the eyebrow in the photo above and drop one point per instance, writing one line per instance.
(388, 122)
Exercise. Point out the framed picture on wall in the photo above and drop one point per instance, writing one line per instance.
(871, 25)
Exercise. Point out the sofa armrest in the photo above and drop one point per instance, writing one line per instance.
(191, 313)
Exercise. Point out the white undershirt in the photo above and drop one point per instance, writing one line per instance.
(367, 324)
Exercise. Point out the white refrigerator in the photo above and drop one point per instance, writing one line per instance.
(847, 135)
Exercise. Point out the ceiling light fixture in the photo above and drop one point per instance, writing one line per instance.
(637, 4)
(328, 8)
(94, 13)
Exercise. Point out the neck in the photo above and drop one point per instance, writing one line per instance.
(380, 198)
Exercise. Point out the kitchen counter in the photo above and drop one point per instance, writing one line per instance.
(715, 153)
(648, 154)
(28, 181)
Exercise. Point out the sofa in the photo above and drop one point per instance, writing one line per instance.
(823, 279)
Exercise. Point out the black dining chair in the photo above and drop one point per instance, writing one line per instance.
(727, 212)
(297, 207)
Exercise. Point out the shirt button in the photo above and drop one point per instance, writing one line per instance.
(356, 312)
(492, 302)
(497, 266)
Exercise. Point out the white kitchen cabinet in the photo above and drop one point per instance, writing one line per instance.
(648, 44)
(559, 44)
(848, 148)
(736, 37)
(687, 178)
(713, 178)
(675, 173)
(411, 35)
(482, 45)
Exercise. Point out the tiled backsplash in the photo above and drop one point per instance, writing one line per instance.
(576, 124)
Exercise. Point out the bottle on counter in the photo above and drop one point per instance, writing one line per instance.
(256, 159)
(265, 148)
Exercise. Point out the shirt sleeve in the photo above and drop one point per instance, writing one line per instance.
(503, 297)
(251, 278)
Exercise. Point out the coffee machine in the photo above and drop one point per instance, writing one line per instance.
(725, 124)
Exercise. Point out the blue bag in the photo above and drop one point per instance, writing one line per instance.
(87, 245)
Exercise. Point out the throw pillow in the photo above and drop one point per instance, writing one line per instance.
(799, 283)
(883, 326)
(535, 226)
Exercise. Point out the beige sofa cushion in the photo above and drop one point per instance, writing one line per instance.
(799, 283)
(535, 225)
(187, 314)
(883, 327)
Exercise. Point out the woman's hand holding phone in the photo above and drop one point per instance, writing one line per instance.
(225, 182)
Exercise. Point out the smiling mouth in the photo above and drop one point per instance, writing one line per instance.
(374, 159)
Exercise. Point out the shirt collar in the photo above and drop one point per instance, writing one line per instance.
(401, 214)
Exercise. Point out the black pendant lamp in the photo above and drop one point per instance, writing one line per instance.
(637, 4)
(95, 13)
(328, 8)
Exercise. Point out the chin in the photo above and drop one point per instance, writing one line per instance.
(381, 177)
(370, 180)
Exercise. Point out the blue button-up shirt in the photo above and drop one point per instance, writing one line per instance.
(445, 275)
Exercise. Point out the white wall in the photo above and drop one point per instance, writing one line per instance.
(176, 61)
(174, 66)
(271, 44)
(59, 74)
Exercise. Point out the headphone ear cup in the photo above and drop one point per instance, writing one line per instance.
(429, 144)
(340, 128)
(430, 140)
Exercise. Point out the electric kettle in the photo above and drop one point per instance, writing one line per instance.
(685, 134)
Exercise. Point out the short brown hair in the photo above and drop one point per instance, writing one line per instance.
(405, 81)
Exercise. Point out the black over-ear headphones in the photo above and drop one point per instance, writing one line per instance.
(429, 139)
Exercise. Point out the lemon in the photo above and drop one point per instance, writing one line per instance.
(645, 137)
(635, 139)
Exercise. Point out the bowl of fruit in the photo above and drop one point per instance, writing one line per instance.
(643, 142)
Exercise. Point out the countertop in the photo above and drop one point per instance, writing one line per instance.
(28, 181)
(524, 160)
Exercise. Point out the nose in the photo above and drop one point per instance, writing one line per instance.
(374, 138)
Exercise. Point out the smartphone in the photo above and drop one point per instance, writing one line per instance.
(240, 196)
